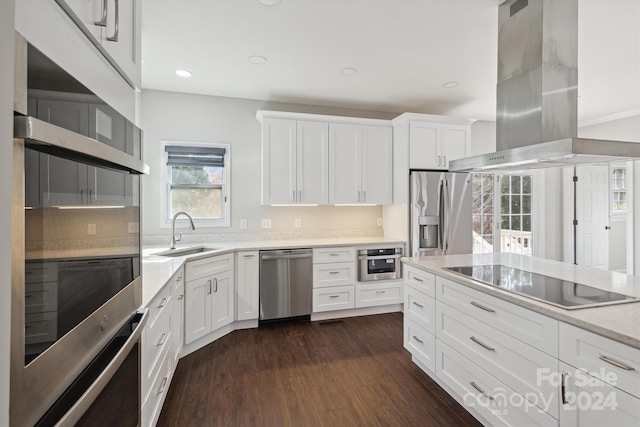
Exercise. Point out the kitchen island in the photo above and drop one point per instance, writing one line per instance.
(511, 359)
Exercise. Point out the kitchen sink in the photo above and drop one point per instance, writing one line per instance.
(186, 251)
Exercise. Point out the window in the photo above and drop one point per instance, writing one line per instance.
(197, 182)
(511, 197)
(618, 189)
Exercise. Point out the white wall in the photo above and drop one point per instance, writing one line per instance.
(483, 138)
(188, 117)
(6, 170)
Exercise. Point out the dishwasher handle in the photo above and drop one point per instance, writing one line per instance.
(285, 256)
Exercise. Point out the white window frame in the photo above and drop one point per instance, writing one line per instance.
(165, 210)
(613, 214)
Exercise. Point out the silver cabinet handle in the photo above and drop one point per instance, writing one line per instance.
(208, 286)
(179, 279)
(300, 195)
(418, 339)
(248, 256)
(334, 272)
(480, 306)
(215, 283)
(334, 254)
(163, 384)
(293, 196)
(481, 344)
(334, 296)
(116, 29)
(439, 160)
(81, 196)
(417, 279)
(180, 297)
(444, 161)
(364, 196)
(616, 363)
(358, 197)
(162, 303)
(417, 304)
(482, 392)
(163, 338)
(606, 227)
(103, 21)
(380, 292)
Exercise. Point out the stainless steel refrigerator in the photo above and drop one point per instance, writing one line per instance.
(440, 213)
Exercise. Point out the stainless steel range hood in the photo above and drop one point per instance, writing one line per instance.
(537, 93)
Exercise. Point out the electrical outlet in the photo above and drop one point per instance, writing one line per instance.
(91, 229)
(297, 223)
(243, 224)
(266, 223)
(133, 227)
(379, 222)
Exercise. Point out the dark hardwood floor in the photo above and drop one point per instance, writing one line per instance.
(350, 373)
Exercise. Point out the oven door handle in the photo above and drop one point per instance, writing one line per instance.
(366, 257)
(86, 400)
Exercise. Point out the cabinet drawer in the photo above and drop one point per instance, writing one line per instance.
(500, 405)
(608, 360)
(159, 304)
(336, 298)
(208, 266)
(532, 328)
(340, 254)
(36, 272)
(178, 280)
(370, 295)
(420, 343)
(509, 360)
(157, 341)
(420, 308)
(156, 393)
(40, 297)
(420, 280)
(334, 274)
(41, 327)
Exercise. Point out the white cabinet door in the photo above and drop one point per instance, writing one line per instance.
(589, 402)
(222, 298)
(279, 162)
(377, 165)
(312, 163)
(425, 145)
(197, 320)
(455, 142)
(89, 12)
(178, 321)
(248, 285)
(126, 49)
(344, 163)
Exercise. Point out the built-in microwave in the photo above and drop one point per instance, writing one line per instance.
(76, 282)
(379, 264)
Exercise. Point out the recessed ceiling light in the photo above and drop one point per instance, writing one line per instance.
(348, 71)
(256, 59)
(269, 2)
(183, 73)
(450, 85)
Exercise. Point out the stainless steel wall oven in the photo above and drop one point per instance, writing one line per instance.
(76, 284)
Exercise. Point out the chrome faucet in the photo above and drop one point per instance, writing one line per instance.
(173, 228)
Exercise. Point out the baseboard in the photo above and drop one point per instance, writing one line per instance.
(353, 312)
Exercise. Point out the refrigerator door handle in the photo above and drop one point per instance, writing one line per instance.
(441, 216)
(447, 213)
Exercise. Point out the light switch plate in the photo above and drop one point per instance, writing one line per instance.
(91, 229)
(297, 223)
(379, 222)
(243, 224)
(266, 223)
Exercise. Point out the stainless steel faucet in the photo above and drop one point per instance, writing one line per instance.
(173, 228)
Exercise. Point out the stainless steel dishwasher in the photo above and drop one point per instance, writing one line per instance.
(286, 283)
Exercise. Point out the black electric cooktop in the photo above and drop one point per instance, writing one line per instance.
(558, 292)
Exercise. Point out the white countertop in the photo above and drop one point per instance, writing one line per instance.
(620, 322)
(157, 270)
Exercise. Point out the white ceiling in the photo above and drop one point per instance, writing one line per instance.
(404, 51)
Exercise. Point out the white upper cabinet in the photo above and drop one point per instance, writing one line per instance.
(360, 164)
(434, 145)
(115, 26)
(294, 162)
(456, 143)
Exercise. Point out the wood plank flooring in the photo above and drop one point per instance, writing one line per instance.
(350, 373)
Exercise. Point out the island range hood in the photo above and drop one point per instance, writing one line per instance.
(537, 93)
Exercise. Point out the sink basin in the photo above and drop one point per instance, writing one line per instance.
(186, 251)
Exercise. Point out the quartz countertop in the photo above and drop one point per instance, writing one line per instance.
(157, 270)
(620, 322)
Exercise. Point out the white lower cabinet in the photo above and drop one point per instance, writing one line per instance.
(247, 285)
(420, 343)
(334, 278)
(378, 293)
(178, 314)
(333, 298)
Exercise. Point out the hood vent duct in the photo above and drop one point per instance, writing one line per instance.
(537, 93)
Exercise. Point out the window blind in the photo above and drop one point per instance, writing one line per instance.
(194, 156)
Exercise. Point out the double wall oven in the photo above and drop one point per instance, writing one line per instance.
(76, 286)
